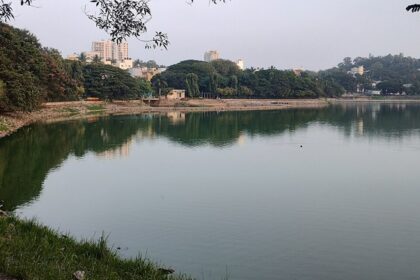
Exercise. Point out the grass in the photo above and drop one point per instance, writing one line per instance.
(95, 108)
(68, 110)
(183, 104)
(30, 251)
(3, 125)
(378, 97)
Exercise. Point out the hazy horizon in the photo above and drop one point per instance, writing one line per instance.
(280, 33)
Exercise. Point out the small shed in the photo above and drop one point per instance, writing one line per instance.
(176, 94)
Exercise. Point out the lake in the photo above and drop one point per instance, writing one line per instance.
(330, 193)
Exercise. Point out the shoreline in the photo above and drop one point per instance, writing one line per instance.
(63, 257)
(63, 111)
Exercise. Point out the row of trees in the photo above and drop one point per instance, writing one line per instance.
(31, 74)
(389, 74)
(223, 78)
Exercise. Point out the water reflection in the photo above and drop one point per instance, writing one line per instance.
(28, 156)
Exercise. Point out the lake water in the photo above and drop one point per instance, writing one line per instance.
(233, 193)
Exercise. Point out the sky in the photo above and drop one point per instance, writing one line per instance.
(310, 34)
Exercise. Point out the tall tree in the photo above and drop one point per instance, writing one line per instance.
(191, 82)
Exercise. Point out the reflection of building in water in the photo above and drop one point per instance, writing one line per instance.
(241, 139)
(176, 117)
(398, 106)
(360, 127)
(119, 152)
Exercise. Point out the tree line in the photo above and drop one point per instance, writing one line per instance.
(391, 74)
(224, 79)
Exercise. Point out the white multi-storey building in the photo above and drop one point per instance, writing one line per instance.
(104, 48)
(109, 50)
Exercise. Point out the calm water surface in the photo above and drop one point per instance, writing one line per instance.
(233, 193)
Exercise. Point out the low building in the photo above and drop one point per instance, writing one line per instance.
(175, 94)
(357, 71)
(91, 55)
(145, 73)
(373, 92)
(125, 64)
(73, 56)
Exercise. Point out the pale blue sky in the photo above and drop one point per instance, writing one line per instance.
(312, 34)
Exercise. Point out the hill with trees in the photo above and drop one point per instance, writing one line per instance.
(390, 74)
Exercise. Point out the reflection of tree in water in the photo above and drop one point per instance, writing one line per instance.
(29, 155)
(389, 121)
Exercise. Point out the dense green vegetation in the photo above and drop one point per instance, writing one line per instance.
(31, 74)
(389, 74)
(109, 82)
(30, 251)
(223, 78)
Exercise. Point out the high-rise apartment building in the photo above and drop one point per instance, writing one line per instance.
(109, 50)
(104, 48)
(211, 55)
(120, 51)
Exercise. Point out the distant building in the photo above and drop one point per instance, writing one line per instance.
(73, 56)
(120, 51)
(241, 64)
(374, 92)
(211, 55)
(124, 64)
(357, 71)
(298, 71)
(109, 51)
(104, 48)
(91, 55)
(145, 73)
(175, 94)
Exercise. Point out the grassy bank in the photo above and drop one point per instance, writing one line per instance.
(30, 251)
